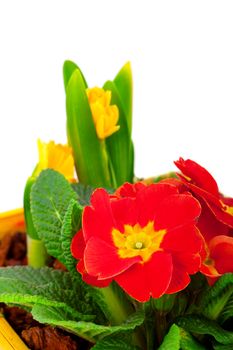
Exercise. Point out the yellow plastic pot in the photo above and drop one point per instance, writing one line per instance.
(10, 222)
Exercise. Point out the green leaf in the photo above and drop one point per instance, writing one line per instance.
(131, 161)
(201, 325)
(115, 343)
(30, 228)
(51, 196)
(171, 339)
(214, 299)
(222, 347)
(87, 330)
(119, 144)
(177, 338)
(187, 342)
(68, 68)
(124, 84)
(89, 152)
(26, 286)
(227, 312)
(71, 224)
(84, 193)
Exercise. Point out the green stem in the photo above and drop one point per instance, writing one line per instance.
(161, 325)
(149, 325)
(106, 160)
(36, 253)
(119, 308)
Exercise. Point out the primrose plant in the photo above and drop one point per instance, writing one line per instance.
(148, 263)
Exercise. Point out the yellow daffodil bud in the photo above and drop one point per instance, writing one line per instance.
(105, 115)
(57, 157)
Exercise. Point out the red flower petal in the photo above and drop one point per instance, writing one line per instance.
(150, 279)
(203, 185)
(97, 219)
(101, 259)
(208, 224)
(124, 212)
(183, 239)
(221, 215)
(210, 271)
(180, 280)
(227, 201)
(177, 210)
(175, 182)
(214, 203)
(129, 190)
(149, 200)
(78, 245)
(221, 251)
(187, 262)
(93, 281)
(198, 175)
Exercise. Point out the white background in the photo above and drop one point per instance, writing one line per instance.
(182, 59)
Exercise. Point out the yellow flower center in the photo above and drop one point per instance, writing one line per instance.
(138, 241)
(105, 116)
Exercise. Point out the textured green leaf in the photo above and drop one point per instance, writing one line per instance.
(119, 144)
(216, 297)
(68, 68)
(222, 347)
(227, 312)
(50, 199)
(86, 330)
(171, 339)
(23, 285)
(114, 343)
(124, 84)
(177, 338)
(90, 156)
(84, 193)
(71, 224)
(187, 342)
(201, 325)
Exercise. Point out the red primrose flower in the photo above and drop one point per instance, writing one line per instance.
(145, 238)
(216, 220)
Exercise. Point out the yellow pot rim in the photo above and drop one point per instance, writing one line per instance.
(12, 221)
(9, 340)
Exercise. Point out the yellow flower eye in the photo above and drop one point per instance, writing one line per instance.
(105, 115)
(138, 241)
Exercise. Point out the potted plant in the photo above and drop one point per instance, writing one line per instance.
(148, 264)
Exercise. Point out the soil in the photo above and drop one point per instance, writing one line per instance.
(35, 335)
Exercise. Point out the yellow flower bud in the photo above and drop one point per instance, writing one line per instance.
(57, 157)
(105, 116)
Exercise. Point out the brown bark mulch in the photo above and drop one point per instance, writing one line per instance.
(35, 335)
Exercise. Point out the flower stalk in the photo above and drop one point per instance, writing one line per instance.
(119, 308)
(37, 254)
